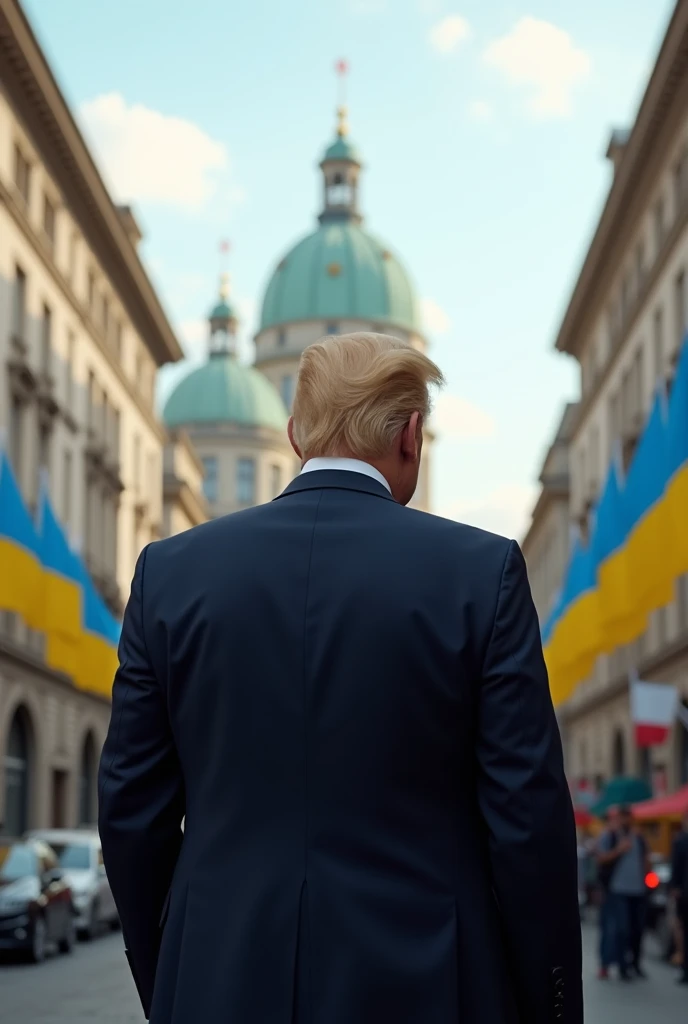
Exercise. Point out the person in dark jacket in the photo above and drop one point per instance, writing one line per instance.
(679, 886)
(347, 699)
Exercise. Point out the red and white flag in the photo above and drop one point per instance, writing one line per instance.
(654, 707)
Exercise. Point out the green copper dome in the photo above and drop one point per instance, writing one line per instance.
(224, 390)
(222, 311)
(341, 272)
(342, 149)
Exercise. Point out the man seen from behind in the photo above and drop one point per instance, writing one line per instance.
(348, 701)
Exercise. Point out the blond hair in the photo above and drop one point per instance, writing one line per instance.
(355, 392)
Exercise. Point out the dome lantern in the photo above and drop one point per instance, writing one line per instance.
(341, 167)
(223, 324)
(340, 271)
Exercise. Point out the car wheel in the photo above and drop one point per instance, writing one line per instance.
(69, 938)
(38, 941)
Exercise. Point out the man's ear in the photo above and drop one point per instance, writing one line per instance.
(292, 441)
(411, 436)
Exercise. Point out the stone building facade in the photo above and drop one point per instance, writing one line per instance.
(82, 334)
(625, 321)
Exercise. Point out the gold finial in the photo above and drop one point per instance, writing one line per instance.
(342, 69)
(224, 285)
(342, 122)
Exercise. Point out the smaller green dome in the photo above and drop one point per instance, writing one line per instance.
(223, 311)
(342, 149)
(225, 391)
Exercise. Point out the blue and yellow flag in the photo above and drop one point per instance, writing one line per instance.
(98, 644)
(21, 579)
(677, 487)
(62, 611)
(574, 640)
(620, 621)
(650, 563)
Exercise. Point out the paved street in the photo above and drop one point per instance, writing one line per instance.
(94, 985)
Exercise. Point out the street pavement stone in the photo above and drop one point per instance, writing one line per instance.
(93, 984)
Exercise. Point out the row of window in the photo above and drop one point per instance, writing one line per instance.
(621, 760)
(620, 308)
(98, 305)
(626, 406)
(100, 502)
(331, 328)
(246, 473)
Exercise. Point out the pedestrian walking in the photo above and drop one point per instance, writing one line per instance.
(679, 886)
(625, 855)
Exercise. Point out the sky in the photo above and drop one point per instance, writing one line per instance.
(483, 128)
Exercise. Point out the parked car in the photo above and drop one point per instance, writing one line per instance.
(36, 909)
(80, 856)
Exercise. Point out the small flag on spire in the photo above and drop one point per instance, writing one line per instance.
(224, 246)
(342, 67)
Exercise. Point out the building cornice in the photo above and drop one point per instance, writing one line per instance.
(40, 250)
(41, 106)
(177, 490)
(220, 431)
(178, 436)
(640, 158)
(589, 399)
(365, 325)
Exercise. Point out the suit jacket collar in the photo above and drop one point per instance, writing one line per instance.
(337, 479)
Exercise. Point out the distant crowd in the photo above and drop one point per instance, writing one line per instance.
(617, 867)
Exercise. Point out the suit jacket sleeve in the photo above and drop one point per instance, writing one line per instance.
(141, 796)
(525, 802)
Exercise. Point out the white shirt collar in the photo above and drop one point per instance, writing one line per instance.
(349, 465)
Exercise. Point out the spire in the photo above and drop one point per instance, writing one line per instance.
(342, 70)
(341, 163)
(223, 320)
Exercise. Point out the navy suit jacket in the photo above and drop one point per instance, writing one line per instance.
(347, 700)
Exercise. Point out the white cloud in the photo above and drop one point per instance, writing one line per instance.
(435, 318)
(538, 54)
(449, 33)
(505, 510)
(455, 418)
(149, 156)
(481, 110)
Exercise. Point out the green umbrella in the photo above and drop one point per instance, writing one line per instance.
(619, 791)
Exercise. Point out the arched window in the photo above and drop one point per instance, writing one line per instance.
(619, 754)
(339, 191)
(87, 781)
(18, 772)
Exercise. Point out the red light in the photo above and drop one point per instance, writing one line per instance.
(651, 880)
